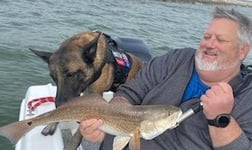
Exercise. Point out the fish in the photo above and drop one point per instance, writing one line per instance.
(128, 123)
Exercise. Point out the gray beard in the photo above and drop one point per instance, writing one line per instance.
(204, 65)
(214, 66)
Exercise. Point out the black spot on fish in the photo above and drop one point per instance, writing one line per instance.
(29, 123)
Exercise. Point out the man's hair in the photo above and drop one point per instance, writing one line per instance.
(245, 23)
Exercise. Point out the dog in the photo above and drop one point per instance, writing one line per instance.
(92, 62)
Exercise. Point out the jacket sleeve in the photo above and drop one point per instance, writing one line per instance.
(242, 112)
(241, 143)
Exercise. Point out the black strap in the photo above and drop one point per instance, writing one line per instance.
(120, 74)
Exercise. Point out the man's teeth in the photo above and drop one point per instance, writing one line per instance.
(210, 53)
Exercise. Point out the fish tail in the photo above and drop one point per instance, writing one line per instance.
(16, 130)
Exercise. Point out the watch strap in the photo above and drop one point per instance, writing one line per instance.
(221, 120)
(212, 122)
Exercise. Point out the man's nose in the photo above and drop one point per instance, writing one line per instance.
(211, 43)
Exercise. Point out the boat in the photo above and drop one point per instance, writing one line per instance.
(38, 100)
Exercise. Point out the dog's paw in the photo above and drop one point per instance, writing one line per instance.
(49, 129)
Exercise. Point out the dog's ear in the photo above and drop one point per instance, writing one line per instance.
(89, 51)
(43, 55)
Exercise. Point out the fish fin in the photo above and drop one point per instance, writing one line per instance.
(14, 131)
(134, 143)
(92, 99)
(120, 142)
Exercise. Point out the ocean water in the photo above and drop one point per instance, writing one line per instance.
(44, 24)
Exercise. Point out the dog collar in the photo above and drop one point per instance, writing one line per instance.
(122, 63)
(121, 59)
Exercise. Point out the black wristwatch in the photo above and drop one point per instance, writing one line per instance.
(221, 121)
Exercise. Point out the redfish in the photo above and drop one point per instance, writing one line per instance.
(128, 123)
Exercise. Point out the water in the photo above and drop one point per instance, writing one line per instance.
(44, 24)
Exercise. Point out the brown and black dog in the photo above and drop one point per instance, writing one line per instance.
(91, 62)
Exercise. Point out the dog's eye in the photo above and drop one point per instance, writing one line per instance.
(73, 75)
(70, 74)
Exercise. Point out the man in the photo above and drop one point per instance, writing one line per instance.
(213, 74)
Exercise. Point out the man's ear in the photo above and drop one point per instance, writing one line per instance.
(43, 55)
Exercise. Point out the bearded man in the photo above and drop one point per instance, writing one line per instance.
(213, 75)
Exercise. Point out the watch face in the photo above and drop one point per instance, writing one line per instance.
(223, 120)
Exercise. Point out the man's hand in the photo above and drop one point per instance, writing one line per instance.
(90, 130)
(218, 100)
